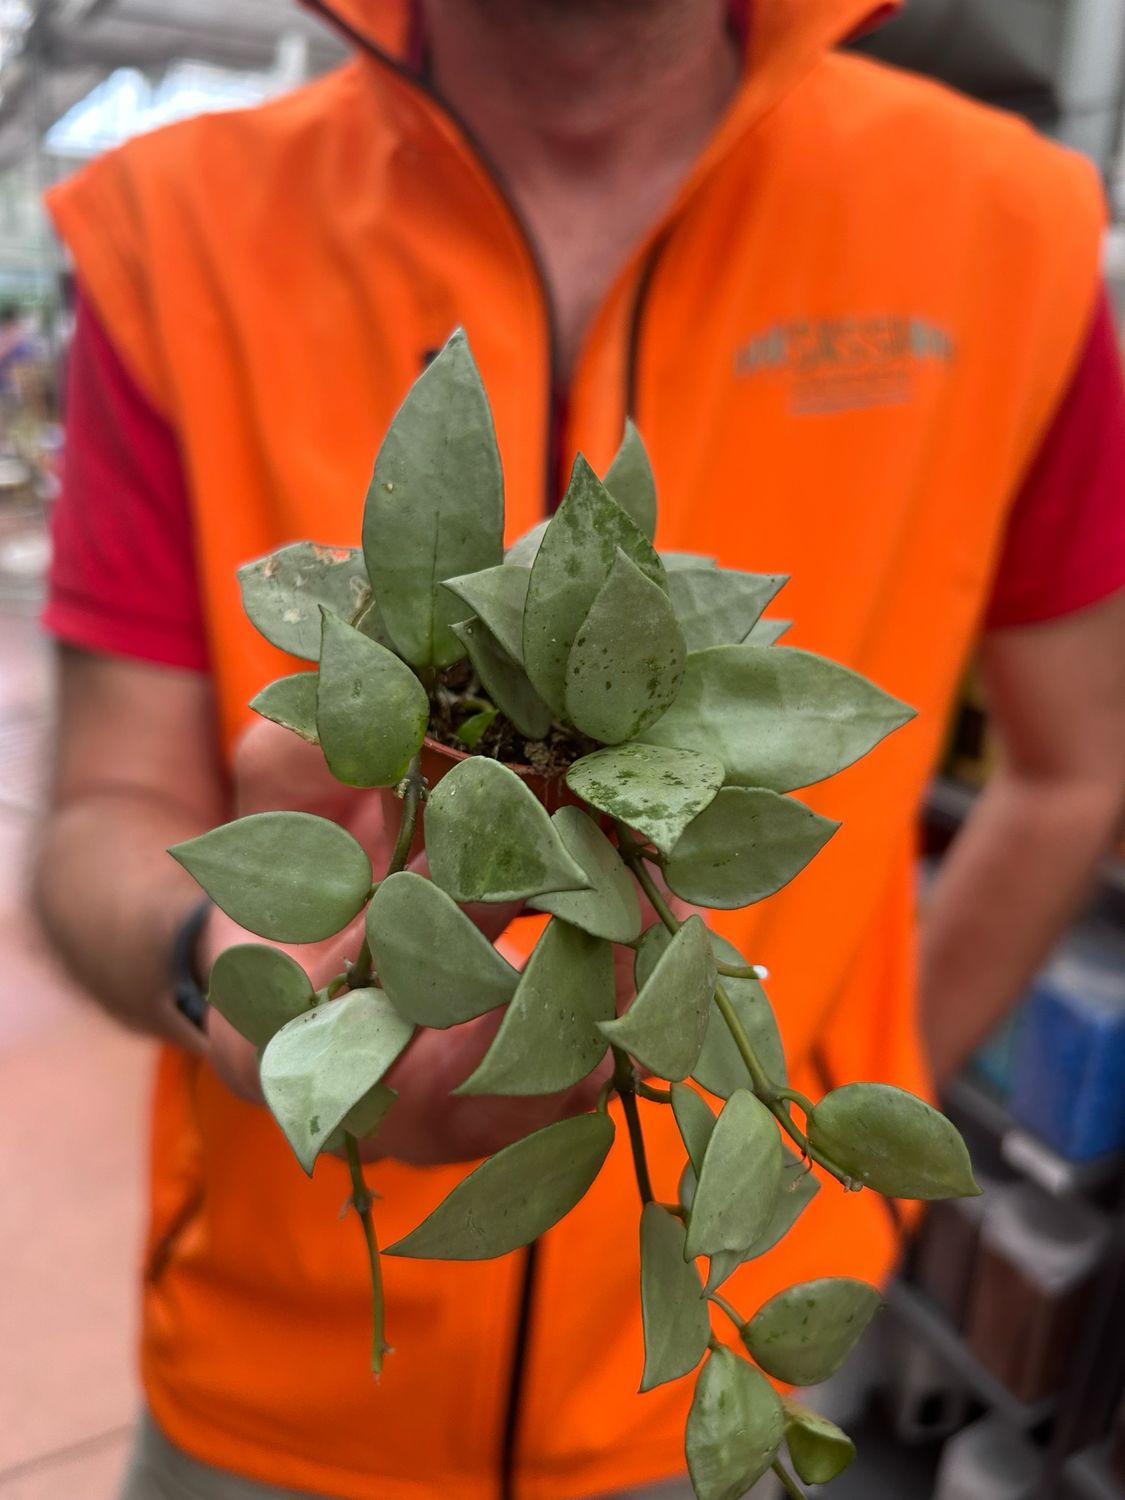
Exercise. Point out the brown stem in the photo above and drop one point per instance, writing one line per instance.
(624, 1081)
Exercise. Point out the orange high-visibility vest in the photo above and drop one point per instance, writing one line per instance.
(843, 344)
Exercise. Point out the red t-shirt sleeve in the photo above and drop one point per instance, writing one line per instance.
(1065, 543)
(123, 574)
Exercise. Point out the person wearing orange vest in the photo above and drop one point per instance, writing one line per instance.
(858, 320)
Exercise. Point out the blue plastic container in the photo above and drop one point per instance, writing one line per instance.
(1069, 1083)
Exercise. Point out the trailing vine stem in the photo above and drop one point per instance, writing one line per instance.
(412, 790)
(789, 1484)
(764, 1086)
(361, 1202)
(728, 1307)
(625, 1084)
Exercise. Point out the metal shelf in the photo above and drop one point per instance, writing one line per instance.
(1088, 1477)
(916, 1310)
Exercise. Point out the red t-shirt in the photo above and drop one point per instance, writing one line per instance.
(123, 577)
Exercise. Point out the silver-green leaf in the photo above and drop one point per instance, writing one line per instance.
(371, 710)
(892, 1141)
(806, 1332)
(435, 506)
(627, 661)
(665, 1025)
(798, 1188)
(290, 702)
(516, 1195)
(257, 869)
(629, 480)
(694, 1120)
(283, 593)
(652, 789)
(503, 679)
(740, 1178)
(497, 595)
(734, 1429)
(489, 839)
(673, 1311)
(549, 1037)
(610, 908)
(818, 1448)
(258, 990)
(318, 1067)
(719, 606)
(768, 632)
(433, 960)
(746, 845)
(577, 552)
(775, 716)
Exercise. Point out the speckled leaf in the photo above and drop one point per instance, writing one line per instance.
(798, 1188)
(775, 716)
(489, 839)
(258, 990)
(652, 789)
(497, 595)
(806, 1332)
(664, 1027)
(257, 870)
(578, 550)
(695, 1121)
(719, 606)
(503, 679)
(435, 506)
(363, 1119)
(629, 480)
(768, 632)
(627, 660)
(433, 960)
(371, 710)
(610, 908)
(290, 702)
(322, 1064)
(283, 593)
(549, 1037)
(516, 1195)
(734, 1429)
(739, 1181)
(891, 1141)
(720, 1069)
(673, 1312)
(746, 845)
(818, 1448)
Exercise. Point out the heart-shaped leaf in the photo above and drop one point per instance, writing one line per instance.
(627, 660)
(819, 1449)
(290, 702)
(739, 1181)
(257, 870)
(650, 788)
(516, 1195)
(629, 480)
(891, 1141)
(718, 606)
(665, 1025)
(798, 1188)
(258, 990)
(768, 632)
(674, 1314)
(694, 1120)
(489, 839)
(577, 552)
(503, 679)
(435, 506)
(283, 593)
(775, 716)
(805, 1333)
(322, 1064)
(720, 1068)
(610, 908)
(743, 847)
(549, 1037)
(371, 710)
(497, 596)
(433, 961)
(734, 1429)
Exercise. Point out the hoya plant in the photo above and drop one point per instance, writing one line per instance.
(609, 736)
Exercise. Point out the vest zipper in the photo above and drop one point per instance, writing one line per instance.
(509, 1445)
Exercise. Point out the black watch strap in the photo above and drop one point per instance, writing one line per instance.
(187, 992)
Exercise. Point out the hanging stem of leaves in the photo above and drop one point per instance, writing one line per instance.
(361, 1202)
(412, 790)
(727, 1307)
(625, 1082)
(789, 1484)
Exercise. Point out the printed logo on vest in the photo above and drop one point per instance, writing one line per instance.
(846, 364)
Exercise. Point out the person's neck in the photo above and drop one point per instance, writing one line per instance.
(592, 110)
